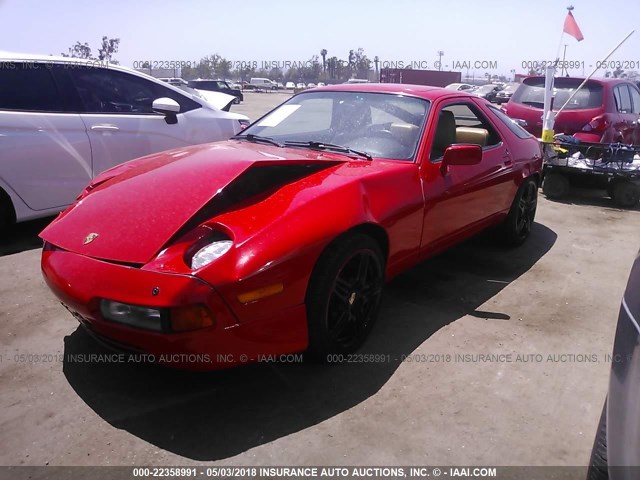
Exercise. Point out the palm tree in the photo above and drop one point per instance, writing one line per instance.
(323, 53)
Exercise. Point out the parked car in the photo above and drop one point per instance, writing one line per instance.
(459, 86)
(279, 240)
(262, 84)
(616, 448)
(321, 84)
(290, 85)
(504, 95)
(177, 82)
(357, 80)
(65, 120)
(605, 110)
(217, 86)
(488, 92)
(300, 85)
(311, 85)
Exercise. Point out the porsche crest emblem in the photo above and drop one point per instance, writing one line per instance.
(90, 238)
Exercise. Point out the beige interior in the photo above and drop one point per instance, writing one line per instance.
(404, 132)
(475, 136)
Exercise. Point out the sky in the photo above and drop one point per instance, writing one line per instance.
(505, 34)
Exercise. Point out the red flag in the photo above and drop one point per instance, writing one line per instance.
(571, 27)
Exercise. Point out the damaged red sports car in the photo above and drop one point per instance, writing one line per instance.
(280, 240)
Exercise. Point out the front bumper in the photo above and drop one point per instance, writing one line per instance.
(81, 282)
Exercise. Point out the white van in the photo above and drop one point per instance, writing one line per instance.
(65, 120)
(263, 84)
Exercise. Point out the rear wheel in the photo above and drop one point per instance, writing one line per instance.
(7, 216)
(598, 465)
(626, 194)
(555, 185)
(517, 226)
(344, 294)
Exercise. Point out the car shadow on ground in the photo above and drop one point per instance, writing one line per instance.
(216, 415)
(590, 197)
(23, 236)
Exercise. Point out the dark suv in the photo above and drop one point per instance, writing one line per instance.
(217, 86)
(604, 110)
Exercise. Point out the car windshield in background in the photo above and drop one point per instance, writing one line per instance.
(379, 124)
(531, 93)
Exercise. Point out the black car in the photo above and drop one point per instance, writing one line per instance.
(217, 86)
(504, 95)
(616, 449)
(488, 92)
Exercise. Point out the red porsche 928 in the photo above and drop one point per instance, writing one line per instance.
(280, 239)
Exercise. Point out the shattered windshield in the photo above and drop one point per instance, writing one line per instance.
(380, 125)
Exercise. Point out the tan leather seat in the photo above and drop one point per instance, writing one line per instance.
(404, 133)
(475, 136)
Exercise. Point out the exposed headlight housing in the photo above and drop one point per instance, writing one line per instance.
(209, 253)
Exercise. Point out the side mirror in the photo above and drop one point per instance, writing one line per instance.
(460, 154)
(167, 107)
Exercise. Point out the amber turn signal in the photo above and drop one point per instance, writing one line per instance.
(192, 317)
(259, 293)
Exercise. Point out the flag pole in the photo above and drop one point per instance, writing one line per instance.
(594, 71)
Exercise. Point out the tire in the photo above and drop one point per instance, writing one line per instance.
(7, 216)
(626, 194)
(344, 294)
(236, 101)
(598, 465)
(517, 226)
(555, 185)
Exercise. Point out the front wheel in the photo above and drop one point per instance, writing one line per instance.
(519, 222)
(626, 194)
(236, 101)
(344, 294)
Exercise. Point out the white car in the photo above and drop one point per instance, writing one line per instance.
(459, 86)
(65, 120)
(311, 85)
(290, 85)
(301, 85)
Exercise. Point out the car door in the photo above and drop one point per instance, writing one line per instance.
(120, 121)
(625, 124)
(46, 155)
(464, 197)
(635, 100)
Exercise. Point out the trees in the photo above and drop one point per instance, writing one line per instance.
(106, 51)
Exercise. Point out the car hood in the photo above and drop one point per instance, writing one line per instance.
(135, 209)
(219, 100)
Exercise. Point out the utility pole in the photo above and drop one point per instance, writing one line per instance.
(440, 54)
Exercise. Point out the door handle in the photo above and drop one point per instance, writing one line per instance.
(507, 159)
(105, 127)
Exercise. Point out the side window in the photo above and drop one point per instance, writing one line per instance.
(635, 97)
(623, 99)
(109, 91)
(462, 123)
(510, 124)
(28, 87)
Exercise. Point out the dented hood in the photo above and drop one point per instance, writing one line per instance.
(131, 216)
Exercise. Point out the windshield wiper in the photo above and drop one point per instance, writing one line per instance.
(329, 146)
(257, 139)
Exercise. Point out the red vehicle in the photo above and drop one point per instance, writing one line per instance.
(279, 240)
(605, 110)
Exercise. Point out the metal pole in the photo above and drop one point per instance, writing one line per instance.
(594, 71)
(564, 56)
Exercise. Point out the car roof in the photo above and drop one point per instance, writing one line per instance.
(30, 57)
(423, 91)
(581, 79)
